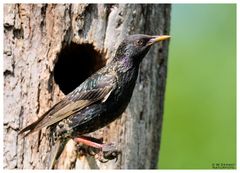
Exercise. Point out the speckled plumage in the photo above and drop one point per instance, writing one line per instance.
(102, 97)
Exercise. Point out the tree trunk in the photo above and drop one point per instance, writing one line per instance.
(49, 49)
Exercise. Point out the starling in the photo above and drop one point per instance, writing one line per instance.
(100, 99)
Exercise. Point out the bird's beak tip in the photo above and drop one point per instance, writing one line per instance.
(156, 39)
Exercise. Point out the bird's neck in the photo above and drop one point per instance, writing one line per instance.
(125, 64)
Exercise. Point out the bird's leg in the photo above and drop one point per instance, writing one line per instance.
(87, 141)
(104, 152)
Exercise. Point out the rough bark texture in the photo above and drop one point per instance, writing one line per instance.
(34, 36)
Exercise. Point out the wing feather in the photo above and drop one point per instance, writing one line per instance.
(87, 93)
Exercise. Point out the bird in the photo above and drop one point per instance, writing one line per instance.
(99, 100)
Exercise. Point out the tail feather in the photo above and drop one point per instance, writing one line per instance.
(56, 151)
(32, 127)
(27, 128)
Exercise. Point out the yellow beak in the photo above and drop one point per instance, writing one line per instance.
(156, 39)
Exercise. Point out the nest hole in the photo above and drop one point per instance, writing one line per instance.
(76, 62)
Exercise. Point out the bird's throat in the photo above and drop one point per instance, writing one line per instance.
(126, 64)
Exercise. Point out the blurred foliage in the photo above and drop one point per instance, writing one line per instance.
(199, 123)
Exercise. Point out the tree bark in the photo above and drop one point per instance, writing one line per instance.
(34, 38)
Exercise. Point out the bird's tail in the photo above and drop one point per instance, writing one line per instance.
(29, 128)
(32, 127)
(56, 151)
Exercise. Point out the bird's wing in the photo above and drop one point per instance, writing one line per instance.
(96, 88)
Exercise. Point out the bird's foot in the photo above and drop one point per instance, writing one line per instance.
(102, 152)
(108, 152)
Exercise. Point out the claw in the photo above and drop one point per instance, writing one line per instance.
(106, 153)
(101, 159)
(102, 152)
(92, 151)
(110, 152)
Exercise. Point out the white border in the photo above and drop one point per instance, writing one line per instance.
(114, 1)
(123, 1)
(1, 85)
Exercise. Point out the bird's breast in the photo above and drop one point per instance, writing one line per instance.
(100, 113)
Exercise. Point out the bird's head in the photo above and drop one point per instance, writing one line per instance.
(135, 47)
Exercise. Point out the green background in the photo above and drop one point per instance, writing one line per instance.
(199, 123)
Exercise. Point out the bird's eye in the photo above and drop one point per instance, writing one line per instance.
(140, 42)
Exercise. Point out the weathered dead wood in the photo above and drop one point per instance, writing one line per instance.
(34, 36)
